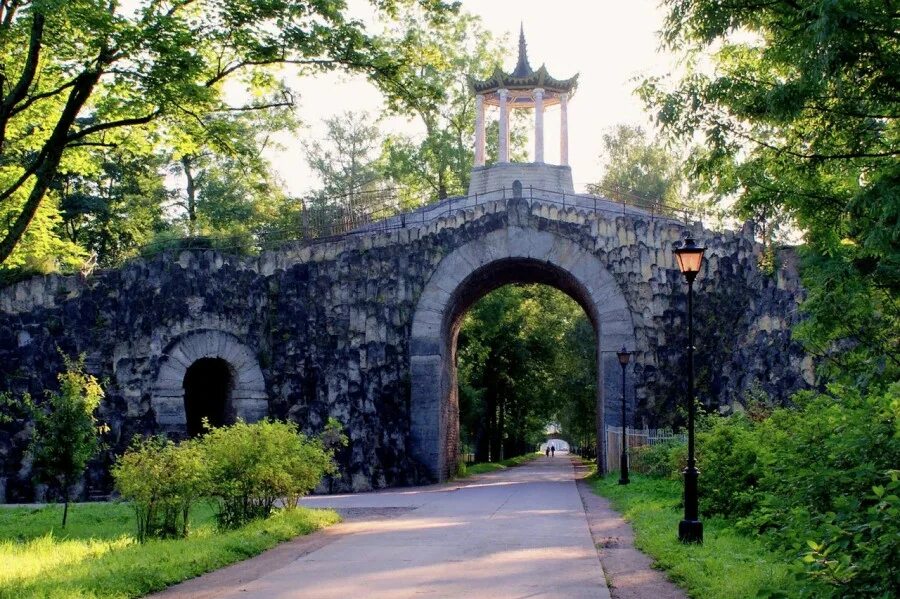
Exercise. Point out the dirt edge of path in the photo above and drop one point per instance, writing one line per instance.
(629, 572)
(226, 579)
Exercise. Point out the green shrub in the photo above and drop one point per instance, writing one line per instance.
(66, 434)
(728, 458)
(252, 466)
(162, 480)
(654, 460)
(820, 480)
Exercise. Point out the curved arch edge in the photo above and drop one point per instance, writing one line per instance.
(249, 400)
(433, 421)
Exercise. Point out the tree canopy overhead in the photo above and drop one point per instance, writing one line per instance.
(78, 74)
(799, 114)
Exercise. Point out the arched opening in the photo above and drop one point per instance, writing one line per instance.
(208, 383)
(505, 256)
(526, 364)
(494, 277)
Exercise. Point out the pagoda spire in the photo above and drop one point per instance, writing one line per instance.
(523, 69)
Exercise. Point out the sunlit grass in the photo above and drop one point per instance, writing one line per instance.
(482, 467)
(728, 565)
(97, 555)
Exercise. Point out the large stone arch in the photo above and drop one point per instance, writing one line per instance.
(511, 255)
(248, 398)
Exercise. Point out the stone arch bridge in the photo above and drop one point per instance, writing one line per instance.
(362, 327)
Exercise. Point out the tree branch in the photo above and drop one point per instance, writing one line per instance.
(47, 163)
(19, 91)
(287, 103)
(141, 120)
(282, 60)
(37, 97)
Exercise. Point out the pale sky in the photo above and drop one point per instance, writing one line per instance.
(609, 42)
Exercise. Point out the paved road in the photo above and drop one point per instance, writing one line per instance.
(521, 532)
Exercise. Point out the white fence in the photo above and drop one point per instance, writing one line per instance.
(636, 437)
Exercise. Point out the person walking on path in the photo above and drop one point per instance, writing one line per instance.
(547, 451)
(553, 451)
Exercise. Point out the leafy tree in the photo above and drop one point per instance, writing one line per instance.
(638, 166)
(252, 466)
(344, 158)
(800, 123)
(441, 59)
(66, 434)
(83, 72)
(345, 161)
(523, 351)
(575, 363)
(236, 205)
(114, 209)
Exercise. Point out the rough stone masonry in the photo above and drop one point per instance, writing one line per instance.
(362, 328)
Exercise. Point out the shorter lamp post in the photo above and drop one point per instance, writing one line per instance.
(690, 530)
(624, 356)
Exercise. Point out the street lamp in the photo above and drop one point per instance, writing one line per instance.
(690, 530)
(624, 356)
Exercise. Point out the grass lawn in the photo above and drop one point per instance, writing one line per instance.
(482, 467)
(727, 565)
(97, 555)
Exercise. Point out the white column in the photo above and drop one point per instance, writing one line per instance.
(479, 130)
(564, 129)
(504, 126)
(538, 95)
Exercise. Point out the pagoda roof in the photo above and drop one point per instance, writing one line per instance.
(523, 77)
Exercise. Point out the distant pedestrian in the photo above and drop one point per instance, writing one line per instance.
(552, 451)
(547, 451)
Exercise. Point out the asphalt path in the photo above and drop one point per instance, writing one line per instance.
(519, 532)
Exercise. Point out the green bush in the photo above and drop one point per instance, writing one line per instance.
(654, 460)
(728, 459)
(66, 434)
(162, 480)
(245, 468)
(252, 466)
(820, 480)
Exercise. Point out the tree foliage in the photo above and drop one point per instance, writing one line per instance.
(162, 481)
(252, 466)
(438, 164)
(82, 73)
(66, 434)
(526, 359)
(115, 208)
(245, 468)
(638, 166)
(797, 106)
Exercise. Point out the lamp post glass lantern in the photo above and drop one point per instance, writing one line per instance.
(690, 530)
(624, 356)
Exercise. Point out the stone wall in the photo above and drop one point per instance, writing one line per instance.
(324, 330)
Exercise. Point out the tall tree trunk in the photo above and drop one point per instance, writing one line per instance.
(65, 507)
(482, 445)
(49, 159)
(18, 93)
(442, 185)
(501, 425)
(191, 192)
(491, 432)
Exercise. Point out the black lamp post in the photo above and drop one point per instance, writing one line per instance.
(624, 356)
(690, 530)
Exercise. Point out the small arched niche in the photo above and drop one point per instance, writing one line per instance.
(208, 385)
(208, 374)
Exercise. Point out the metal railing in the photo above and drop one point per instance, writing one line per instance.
(636, 437)
(327, 219)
